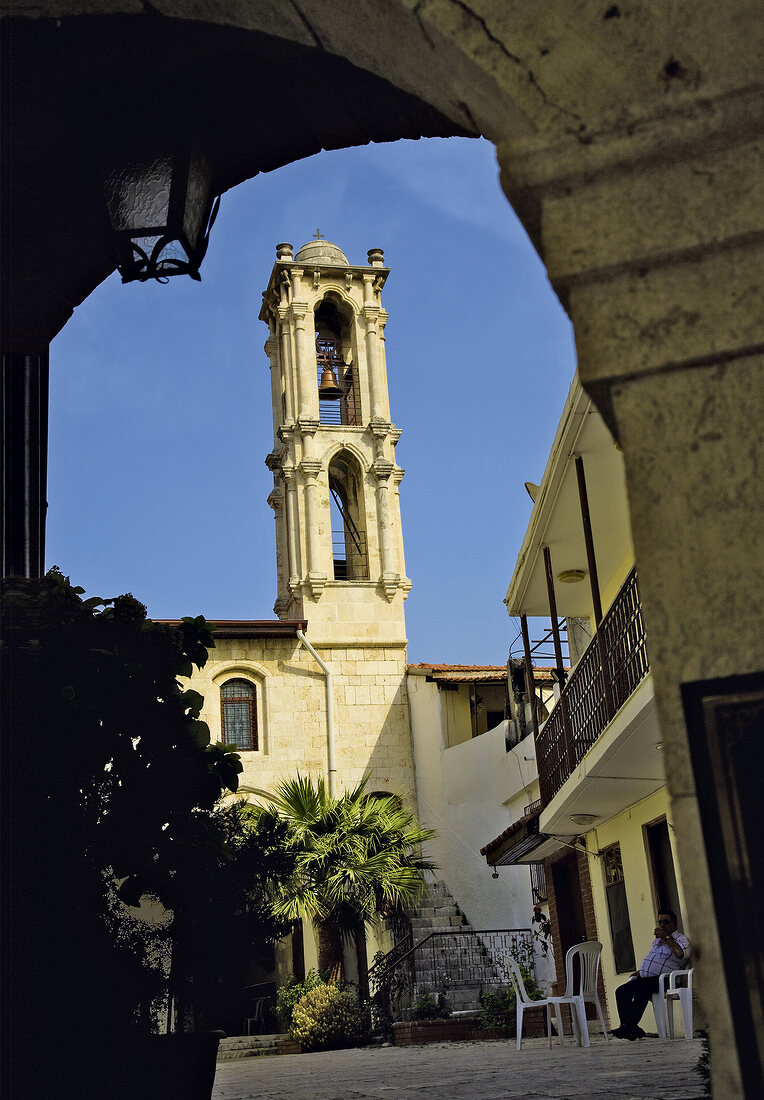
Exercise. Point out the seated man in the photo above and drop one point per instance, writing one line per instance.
(670, 950)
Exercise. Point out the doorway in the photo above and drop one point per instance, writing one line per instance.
(568, 902)
(662, 870)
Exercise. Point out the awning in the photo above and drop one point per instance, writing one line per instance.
(521, 843)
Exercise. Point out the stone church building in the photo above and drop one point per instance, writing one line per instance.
(324, 688)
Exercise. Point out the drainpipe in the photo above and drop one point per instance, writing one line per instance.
(329, 715)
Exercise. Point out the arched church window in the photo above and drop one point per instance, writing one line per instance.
(394, 799)
(338, 396)
(238, 708)
(348, 527)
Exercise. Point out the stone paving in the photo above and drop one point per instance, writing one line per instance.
(649, 1069)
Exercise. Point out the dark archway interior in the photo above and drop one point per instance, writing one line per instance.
(349, 551)
(92, 92)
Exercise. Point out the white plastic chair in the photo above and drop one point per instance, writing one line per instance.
(663, 1002)
(523, 1001)
(257, 1019)
(589, 966)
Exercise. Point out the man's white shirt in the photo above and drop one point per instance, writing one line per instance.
(660, 958)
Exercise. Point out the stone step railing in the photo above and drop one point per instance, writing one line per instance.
(460, 962)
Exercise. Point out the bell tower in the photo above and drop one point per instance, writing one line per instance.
(339, 544)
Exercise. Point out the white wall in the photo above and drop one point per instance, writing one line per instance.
(470, 793)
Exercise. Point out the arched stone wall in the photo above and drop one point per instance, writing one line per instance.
(628, 136)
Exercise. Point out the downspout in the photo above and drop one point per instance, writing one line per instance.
(329, 715)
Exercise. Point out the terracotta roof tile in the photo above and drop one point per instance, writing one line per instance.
(460, 668)
(473, 672)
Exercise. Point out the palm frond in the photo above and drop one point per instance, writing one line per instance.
(354, 854)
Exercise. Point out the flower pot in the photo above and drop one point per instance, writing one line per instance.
(180, 1066)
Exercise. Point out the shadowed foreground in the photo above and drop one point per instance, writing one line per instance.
(649, 1068)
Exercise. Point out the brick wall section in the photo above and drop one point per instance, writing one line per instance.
(591, 926)
(559, 984)
(453, 1030)
(586, 896)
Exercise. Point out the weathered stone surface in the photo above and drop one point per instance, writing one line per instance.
(650, 1069)
(691, 440)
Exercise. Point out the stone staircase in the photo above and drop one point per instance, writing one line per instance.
(451, 961)
(247, 1046)
(436, 911)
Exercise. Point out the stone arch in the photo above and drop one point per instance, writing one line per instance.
(340, 295)
(345, 445)
(347, 506)
(337, 352)
(262, 797)
(593, 114)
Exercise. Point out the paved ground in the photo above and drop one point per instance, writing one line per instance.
(649, 1068)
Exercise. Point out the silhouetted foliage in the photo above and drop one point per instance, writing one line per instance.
(222, 885)
(109, 764)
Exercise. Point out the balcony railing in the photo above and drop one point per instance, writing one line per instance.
(614, 663)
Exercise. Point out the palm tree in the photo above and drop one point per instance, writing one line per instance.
(357, 856)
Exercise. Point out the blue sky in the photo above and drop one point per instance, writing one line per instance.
(160, 414)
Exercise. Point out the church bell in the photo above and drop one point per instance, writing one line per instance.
(329, 388)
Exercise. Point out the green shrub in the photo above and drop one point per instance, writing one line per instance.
(497, 1006)
(288, 995)
(327, 1018)
(427, 1007)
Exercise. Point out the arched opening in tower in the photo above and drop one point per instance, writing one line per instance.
(349, 554)
(334, 352)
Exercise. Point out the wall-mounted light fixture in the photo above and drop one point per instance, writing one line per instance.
(584, 819)
(161, 213)
(571, 576)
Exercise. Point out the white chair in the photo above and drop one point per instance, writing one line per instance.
(669, 990)
(257, 1019)
(588, 955)
(523, 1001)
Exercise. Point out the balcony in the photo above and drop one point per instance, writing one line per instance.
(608, 673)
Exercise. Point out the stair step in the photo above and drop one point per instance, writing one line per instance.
(246, 1046)
(438, 911)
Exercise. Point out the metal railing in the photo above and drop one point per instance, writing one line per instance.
(612, 666)
(344, 409)
(357, 568)
(460, 959)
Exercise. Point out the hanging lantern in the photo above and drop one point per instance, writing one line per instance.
(329, 388)
(161, 212)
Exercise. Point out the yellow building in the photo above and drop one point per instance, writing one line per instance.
(604, 827)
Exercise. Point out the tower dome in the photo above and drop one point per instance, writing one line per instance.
(322, 252)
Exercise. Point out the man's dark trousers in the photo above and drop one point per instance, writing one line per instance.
(632, 998)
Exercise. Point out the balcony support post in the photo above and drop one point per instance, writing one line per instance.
(553, 615)
(594, 584)
(530, 683)
(586, 522)
(562, 702)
